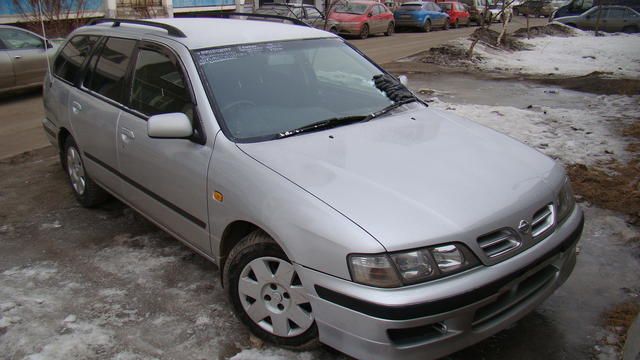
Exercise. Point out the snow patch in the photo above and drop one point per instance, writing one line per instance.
(83, 341)
(617, 55)
(586, 136)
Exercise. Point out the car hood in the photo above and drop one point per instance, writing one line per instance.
(415, 178)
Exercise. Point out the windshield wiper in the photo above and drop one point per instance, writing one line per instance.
(385, 110)
(323, 124)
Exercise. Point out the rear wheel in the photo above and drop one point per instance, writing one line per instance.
(267, 295)
(364, 32)
(86, 191)
(390, 29)
(427, 26)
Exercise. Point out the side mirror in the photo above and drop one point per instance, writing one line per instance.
(403, 80)
(169, 126)
(369, 14)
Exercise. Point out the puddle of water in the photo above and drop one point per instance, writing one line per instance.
(466, 89)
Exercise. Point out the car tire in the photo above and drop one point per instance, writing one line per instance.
(427, 26)
(87, 192)
(364, 32)
(266, 293)
(390, 29)
(334, 30)
(446, 25)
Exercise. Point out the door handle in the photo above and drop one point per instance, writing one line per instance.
(76, 107)
(127, 134)
(17, 57)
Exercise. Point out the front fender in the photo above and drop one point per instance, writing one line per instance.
(310, 232)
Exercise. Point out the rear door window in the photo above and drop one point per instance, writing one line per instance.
(106, 76)
(68, 63)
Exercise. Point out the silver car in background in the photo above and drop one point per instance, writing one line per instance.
(340, 208)
(23, 58)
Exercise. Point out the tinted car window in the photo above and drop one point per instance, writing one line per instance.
(630, 14)
(70, 60)
(108, 75)
(158, 85)
(18, 39)
(615, 13)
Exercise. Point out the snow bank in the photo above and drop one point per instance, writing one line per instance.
(615, 54)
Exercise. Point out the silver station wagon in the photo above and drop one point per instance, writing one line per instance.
(340, 208)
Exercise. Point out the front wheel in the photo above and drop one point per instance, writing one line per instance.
(364, 32)
(446, 25)
(390, 29)
(334, 30)
(267, 295)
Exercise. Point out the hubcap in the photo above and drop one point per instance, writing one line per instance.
(76, 170)
(273, 297)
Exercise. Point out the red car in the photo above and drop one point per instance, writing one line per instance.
(458, 14)
(361, 18)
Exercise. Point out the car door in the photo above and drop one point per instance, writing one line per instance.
(28, 54)
(95, 107)
(7, 76)
(164, 178)
(614, 21)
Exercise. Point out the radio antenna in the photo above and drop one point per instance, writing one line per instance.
(45, 42)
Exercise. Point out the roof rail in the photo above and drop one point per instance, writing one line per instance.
(171, 30)
(249, 16)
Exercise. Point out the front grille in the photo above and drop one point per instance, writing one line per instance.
(543, 220)
(499, 242)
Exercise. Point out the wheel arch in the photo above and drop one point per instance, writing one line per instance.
(63, 134)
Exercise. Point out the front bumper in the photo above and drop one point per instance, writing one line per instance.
(432, 320)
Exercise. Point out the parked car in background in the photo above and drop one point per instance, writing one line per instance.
(612, 19)
(478, 11)
(498, 14)
(458, 13)
(23, 58)
(309, 14)
(361, 18)
(538, 7)
(577, 7)
(421, 15)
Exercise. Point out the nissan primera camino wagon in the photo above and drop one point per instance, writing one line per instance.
(340, 207)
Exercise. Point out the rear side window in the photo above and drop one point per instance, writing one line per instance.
(159, 86)
(15, 39)
(106, 76)
(68, 63)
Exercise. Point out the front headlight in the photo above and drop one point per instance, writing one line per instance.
(410, 267)
(566, 201)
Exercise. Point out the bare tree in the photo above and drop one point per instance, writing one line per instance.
(60, 16)
(599, 16)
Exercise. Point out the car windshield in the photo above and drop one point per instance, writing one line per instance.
(352, 8)
(411, 7)
(266, 89)
(445, 6)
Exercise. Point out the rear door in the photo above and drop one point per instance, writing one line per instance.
(95, 108)
(7, 77)
(165, 178)
(27, 53)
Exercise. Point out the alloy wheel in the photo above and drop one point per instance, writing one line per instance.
(273, 297)
(76, 170)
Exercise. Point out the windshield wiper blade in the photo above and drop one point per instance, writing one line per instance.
(323, 124)
(393, 106)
